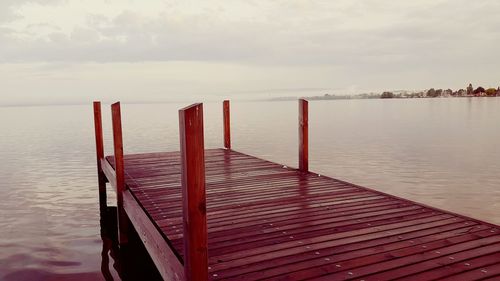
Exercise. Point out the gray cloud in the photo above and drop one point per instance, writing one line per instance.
(252, 46)
(360, 32)
(8, 8)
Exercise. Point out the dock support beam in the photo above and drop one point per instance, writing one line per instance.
(193, 192)
(303, 135)
(227, 125)
(99, 143)
(120, 173)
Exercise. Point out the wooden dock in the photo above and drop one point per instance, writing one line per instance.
(219, 214)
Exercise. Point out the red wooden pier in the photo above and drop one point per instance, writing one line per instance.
(219, 214)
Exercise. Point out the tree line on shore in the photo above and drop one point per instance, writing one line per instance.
(434, 93)
(470, 91)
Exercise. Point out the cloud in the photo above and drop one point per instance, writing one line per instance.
(9, 12)
(249, 46)
(279, 32)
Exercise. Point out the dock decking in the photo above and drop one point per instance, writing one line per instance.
(266, 221)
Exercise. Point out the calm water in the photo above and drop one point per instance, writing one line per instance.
(442, 152)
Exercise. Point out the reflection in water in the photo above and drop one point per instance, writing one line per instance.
(42, 275)
(109, 241)
(132, 261)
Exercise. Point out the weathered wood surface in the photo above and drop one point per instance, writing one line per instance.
(227, 124)
(303, 135)
(270, 222)
(119, 172)
(99, 143)
(109, 172)
(165, 259)
(193, 192)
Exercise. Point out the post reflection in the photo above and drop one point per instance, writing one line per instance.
(130, 262)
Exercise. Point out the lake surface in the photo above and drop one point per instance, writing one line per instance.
(441, 152)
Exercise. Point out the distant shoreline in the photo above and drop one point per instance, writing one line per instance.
(321, 98)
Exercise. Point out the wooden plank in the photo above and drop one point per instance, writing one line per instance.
(101, 178)
(248, 208)
(458, 252)
(219, 233)
(163, 256)
(227, 125)
(230, 236)
(269, 199)
(266, 221)
(303, 135)
(109, 172)
(315, 225)
(224, 211)
(487, 273)
(99, 142)
(403, 258)
(291, 248)
(193, 192)
(479, 263)
(275, 233)
(254, 224)
(276, 215)
(440, 258)
(119, 172)
(348, 250)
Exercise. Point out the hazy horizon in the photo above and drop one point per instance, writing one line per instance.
(68, 51)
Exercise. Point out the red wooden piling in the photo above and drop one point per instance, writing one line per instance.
(227, 125)
(303, 135)
(193, 192)
(120, 172)
(99, 145)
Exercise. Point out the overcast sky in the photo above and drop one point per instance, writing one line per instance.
(158, 50)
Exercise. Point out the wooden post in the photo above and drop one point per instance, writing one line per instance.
(303, 136)
(120, 173)
(193, 193)
(99, 143)
(227, 125)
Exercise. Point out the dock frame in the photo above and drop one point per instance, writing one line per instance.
(194, 261)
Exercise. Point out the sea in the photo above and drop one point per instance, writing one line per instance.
(442, 152)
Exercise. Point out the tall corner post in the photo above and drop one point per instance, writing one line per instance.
(120, 173)
(99, 143)
(193, 193)
(303, 135)
(227, 124)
